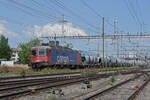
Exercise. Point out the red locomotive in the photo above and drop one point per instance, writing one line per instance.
(45, 56)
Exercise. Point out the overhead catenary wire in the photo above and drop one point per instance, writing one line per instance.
(52, 8)
(140, 11)
(21, 9)
(96, 13)
(65, 8)
(34, 12)
(26, 11)
(46, 6)
(80, 17)
(16, 22)
(132, 12)
(68, 16)
(40, 5)
(30, 10)
(141, 16)
(99, 15)
(21, 24)
(24, 25)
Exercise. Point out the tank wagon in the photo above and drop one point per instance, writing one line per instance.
(91, 61)
(45, 56)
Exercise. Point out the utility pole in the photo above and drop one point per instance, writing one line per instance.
(55, 40)
(103, 40)
(116, 32)
(98, 49)
(63, 31)
(141, 26)
(63, 27)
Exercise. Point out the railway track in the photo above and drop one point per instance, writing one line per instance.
(9, 89)
(60, 74)
(137, 92)
(9, 92)
(37, 76)
(26, 81)
(41, 79)
(120, 91)
(8, 83)
(143, 94)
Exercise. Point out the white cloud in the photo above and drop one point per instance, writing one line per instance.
(3, 22)
(5, 31)
(51, 30)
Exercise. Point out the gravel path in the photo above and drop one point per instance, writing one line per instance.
(74, 92)
(122, 92)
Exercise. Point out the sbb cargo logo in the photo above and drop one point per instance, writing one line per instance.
(62, 59)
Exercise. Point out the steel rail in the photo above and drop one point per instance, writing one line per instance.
(54, 84)
(90, 97)
(27, 81)
(134, 94)
(23, 81)
(59, 74)
(40, 75)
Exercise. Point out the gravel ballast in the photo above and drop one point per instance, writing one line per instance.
(76, 91)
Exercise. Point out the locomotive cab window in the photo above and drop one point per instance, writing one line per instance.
(43, 52)
(33, 52)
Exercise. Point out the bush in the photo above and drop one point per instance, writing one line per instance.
(112, 80)
(5, 68)
(23, 73)
(89, 72)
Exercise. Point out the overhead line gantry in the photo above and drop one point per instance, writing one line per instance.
(97, 37)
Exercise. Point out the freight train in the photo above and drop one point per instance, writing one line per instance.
(60, 57)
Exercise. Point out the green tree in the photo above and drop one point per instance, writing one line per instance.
(68, 46)
(5, 50)
(24, 54)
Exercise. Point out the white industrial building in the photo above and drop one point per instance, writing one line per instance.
(15, 54)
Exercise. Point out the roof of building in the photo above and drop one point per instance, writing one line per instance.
(3, 59)
(15, 49)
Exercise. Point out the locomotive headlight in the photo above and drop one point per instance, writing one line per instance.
(37, 58)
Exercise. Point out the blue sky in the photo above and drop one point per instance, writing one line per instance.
(19, 16)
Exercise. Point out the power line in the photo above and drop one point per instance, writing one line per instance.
(47, 2)
(91, 8)
(16, 22)
(65, 8)
(82, 19)
(130, 12)
(96, 13)
(50, 8)
(133, 14)
(28, 12)
(134, 11)
(140, 12)
(24, 11)
(40, 5)
(41, 14)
